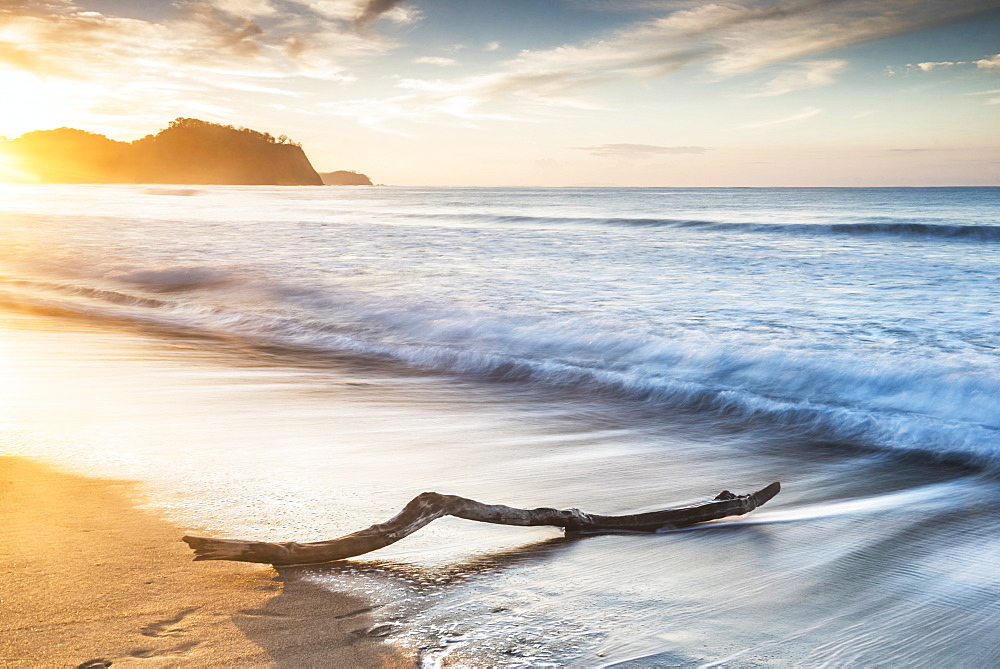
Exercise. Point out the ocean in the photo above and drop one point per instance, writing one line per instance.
(298, 363)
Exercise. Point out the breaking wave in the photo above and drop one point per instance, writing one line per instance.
(915, 406)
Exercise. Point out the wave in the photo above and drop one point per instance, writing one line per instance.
(938, 408)
(925, 498)
(986, 233)
(173, 279)
(867, 227)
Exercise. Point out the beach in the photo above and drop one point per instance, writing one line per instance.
(90, 578)
(296, 364)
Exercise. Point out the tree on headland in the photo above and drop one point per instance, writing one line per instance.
(193, 151)
(188, 151)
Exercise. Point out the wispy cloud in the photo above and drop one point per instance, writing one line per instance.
(371, 10)
(381, 114)
(640, 150)
(221, 31)
(744, 36)
(801, 76)
(988, 63)
(435, 60)
(927, 67)
(202, 46)
(470, 97)
(389, 115)
(231, 35)
(251, 8)
(29, 60)
(991, 101)
(806, 113)
(725, 39)
(188, 57)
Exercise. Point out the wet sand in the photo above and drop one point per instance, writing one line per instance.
(86, 577)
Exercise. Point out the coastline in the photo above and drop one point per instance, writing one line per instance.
(300, 382)
(87, 576)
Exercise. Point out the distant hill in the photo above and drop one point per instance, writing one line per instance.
(189, 151)
(345, 178)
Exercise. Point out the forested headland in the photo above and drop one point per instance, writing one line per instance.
(188, 151)
(345, 178)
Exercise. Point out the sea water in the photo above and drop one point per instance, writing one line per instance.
(297, 363)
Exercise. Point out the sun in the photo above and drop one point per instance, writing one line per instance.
(30, 103)
(33, 103)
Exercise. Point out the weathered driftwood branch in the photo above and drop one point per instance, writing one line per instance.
(428, 506)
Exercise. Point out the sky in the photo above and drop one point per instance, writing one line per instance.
(536, 92)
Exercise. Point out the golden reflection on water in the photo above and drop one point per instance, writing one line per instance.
(307, 453)
(10, 170)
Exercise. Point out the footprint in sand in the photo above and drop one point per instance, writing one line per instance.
(146, 653)
(358, 612)
(377, 631)
(169, 626)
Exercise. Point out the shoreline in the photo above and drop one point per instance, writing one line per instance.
(89, 578)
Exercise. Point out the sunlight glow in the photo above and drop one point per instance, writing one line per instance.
(780, 98)
(10, 170)
(33, 103)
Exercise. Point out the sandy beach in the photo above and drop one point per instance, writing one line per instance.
(89, 578)
(295, 364)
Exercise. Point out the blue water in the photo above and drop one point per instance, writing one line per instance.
(616, 349)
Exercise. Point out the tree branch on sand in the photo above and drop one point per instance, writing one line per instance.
(428, 506)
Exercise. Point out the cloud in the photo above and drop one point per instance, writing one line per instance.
(435, 60)
(29, 61)
(811, 74)
(749, 35)
(725, 39)
(991, 101)
(359, 14)
(639, 150)
(373, 9)
(247, 7)
(221, 30)
(988, 63)
(256, 88)
(806, 113)
(991, 63)
(199, 45)
(534, 89)
(198, 41)
(382, 114)
(387, 114)
(927, 67)
(123, 75)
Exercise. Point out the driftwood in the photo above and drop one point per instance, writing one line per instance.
(428, 506)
